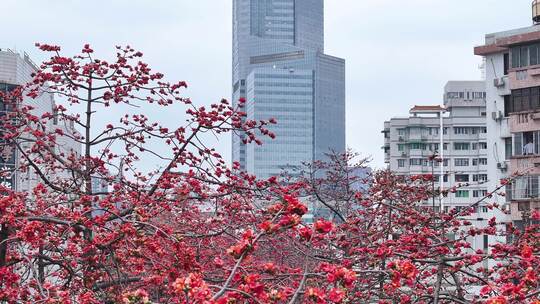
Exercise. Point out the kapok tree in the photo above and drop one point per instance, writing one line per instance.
(404, 251)
(150, 232)
(197, 231)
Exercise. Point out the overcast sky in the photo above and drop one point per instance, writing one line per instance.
(398, 53)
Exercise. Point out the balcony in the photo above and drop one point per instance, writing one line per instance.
(524, 122)
(524, 77)
(525, 163)
(521, 210)
(420, 153)
(418, 138)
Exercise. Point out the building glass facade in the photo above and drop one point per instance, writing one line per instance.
(280, 68)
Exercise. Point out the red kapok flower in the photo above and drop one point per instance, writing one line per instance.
(336, 295)
(323, 226)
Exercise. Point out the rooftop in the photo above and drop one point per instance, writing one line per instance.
(22, 55)
(427, 109)
(499, 42)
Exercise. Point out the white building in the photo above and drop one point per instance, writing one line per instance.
(411, 140)
(513, 104)
(16, 70)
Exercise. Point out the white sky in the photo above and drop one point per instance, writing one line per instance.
(398, 53)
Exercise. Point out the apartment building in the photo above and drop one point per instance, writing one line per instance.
(16, 70)
(466, 160)
(513, 106)
(411, 140)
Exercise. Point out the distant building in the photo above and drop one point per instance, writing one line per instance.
(16, 70)
(280, 68)
(411, 141)
(99, 186)
(513, 95)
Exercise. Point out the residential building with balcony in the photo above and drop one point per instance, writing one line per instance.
(513, 95)
(411, 140)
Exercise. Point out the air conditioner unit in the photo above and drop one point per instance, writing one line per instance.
(498, 82)
(401, 138)
(502, 166)
(497, 115)
(403, 154)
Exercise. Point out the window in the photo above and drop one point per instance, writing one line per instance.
(445, 130)
(474, 146)
(415, 161)
(479, 161)
(515, 57)
(508, 147)
(527, 143)
(461, 130)
(525, 187)
(478, 95)
(445, 178)
(418, 146)
(508, 105)
(479, 193)
(462, 178)
(462, 193)
(524, 57)
(533, 54)
(434, 147)
(480, 178)
(506, 59)
(452, 95)
(461, 146)
(401, 147)
(445, 146)
(482, 145)
(402, 132)
(401, 163)
(522, 100)
(518, 146)
(461, 162)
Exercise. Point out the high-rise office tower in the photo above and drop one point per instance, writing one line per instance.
(280, 68)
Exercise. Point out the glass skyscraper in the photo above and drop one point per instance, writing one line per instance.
(279, 66)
